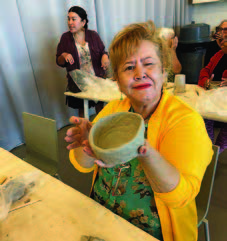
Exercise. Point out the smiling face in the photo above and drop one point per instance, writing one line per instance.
(140, 77)
(75, 23)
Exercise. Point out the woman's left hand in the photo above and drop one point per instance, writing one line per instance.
(144, 151)
(224, 82)
(105, 62)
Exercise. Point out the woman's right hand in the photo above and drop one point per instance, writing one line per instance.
(208, 82)
(68, 58)
(78, 135)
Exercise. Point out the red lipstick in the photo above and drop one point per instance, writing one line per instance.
(142, 86)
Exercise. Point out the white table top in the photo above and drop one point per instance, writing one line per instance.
(210, 104)
(62, 214)
(94, 96)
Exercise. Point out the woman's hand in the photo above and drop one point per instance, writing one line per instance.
(68, 58)
(208, 82)
(105, 62)
(144, 152)
(224, 82)
(78, 134)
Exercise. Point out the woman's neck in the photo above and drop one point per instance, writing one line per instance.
(79, 37)
(145, 110)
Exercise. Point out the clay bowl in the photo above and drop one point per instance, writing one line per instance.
(115, 139)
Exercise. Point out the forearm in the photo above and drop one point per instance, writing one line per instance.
(82, 158)
(162, 175)
(203, 77)
(61, 60)
(176, 65)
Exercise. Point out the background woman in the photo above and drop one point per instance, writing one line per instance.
(157, 190)
(214, 46)
(81, 48)
(216, 70)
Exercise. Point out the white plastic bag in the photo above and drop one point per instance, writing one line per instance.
(15, 189)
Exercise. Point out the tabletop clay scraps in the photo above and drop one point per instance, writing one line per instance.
(90, 238)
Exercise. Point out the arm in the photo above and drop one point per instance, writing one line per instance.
(62, 56)
(161, 174)
(184, 161)
(80, 154)
(176, 65)
(100, 44)
(65, 57)
(105, 61)
(78, 136)
(105, 58)
(205, 76)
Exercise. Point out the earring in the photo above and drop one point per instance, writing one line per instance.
(121, 96)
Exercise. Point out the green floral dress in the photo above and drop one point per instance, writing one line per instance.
(125, 190)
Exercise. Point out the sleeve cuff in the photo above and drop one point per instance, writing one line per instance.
(76, 164)
(179, 196)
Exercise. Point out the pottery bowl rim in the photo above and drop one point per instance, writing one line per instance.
(107, 118)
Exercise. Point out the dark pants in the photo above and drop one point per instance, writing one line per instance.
(222, 136)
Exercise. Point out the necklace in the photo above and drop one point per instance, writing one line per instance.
(79, 40)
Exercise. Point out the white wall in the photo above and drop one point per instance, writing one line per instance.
(210, 13)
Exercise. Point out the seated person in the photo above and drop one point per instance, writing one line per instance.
(158, 189)
(214, 46)
(216, 71)
(168, 35)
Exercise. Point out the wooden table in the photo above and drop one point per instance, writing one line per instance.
(63, 214)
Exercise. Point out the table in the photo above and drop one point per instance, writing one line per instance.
(86, 96)
(211, 104)
(62, 214)
(208, 103)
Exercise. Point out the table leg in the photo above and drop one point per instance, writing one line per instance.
(86, 109)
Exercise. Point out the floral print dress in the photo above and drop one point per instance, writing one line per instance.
(85, 58)
(125, 190)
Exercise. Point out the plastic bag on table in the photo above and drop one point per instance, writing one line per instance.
(15, 189)
(82, 79)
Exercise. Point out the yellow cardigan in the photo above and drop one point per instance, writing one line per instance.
(179, 134)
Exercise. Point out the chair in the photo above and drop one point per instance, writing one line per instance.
(204, 196)
(41, 143)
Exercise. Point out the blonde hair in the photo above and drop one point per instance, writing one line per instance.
(127, 41)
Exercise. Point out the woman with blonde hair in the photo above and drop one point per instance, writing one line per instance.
(155, 191)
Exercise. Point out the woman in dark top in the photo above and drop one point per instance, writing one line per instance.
(214, 46)
(80, 48)
(216, 70)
